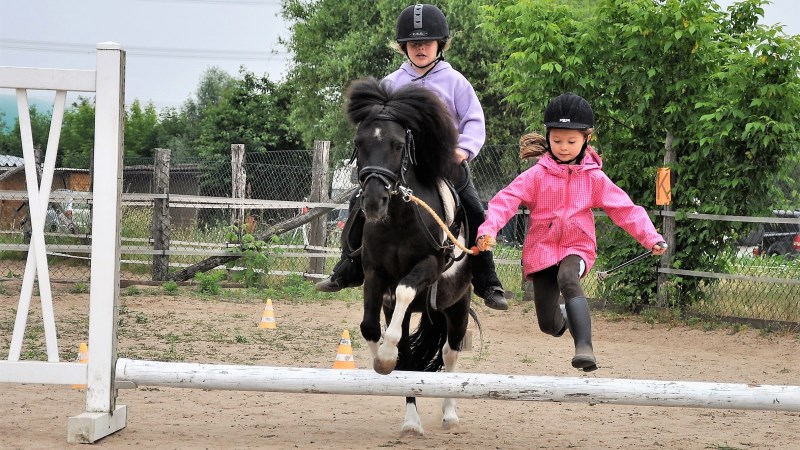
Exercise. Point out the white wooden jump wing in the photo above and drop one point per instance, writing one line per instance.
(102, 416)
(458, 385)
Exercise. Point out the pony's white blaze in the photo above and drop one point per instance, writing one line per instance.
(378, 134)
(387, 353)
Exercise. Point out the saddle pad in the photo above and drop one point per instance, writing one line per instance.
(448, 202)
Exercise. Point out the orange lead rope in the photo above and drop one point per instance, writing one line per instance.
(470, 251)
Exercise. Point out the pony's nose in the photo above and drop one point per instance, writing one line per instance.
(375, 204)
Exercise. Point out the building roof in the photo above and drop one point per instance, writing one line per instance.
(11, 161)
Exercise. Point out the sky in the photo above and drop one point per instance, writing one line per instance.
(170, 43)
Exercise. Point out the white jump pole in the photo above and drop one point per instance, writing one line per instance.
(691, 394)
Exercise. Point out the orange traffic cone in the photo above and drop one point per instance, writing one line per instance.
(83, 356)
(268, 316)
(344, 355)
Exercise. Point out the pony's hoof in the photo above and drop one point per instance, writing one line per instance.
(412, 431)
(384, 368)
(386, 360)
(451, 424)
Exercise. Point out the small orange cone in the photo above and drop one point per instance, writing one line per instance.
(83, 356)
(268, 316)
(344, 355)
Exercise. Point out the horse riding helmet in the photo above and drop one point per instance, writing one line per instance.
(422, 22)
(569, 111)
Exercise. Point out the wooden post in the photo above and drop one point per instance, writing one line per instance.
(160, 226)
(668, 232)
(238, 183)
(320, 194)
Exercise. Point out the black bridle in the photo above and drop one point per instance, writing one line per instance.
(395, 183)
(391, 180)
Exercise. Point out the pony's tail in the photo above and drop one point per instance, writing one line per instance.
(426, 342)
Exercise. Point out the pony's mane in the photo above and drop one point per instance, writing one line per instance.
(416, 108)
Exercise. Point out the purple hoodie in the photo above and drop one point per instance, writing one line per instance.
(459, 97)
(560, 198)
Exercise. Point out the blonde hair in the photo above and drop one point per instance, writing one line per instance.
(534, 145)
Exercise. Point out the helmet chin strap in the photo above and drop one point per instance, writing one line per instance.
(432, 64)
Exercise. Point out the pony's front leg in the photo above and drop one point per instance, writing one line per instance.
(418, 278)
(374, 291)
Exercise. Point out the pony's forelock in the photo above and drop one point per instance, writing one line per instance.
(414, 107)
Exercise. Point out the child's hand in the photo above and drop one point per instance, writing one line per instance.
(461, 156)
(485, 243)
(659, 248)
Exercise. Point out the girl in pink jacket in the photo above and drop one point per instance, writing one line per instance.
(560, 246)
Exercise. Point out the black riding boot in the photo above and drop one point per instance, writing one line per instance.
(486, 283)
(580, 326)
(348, 272)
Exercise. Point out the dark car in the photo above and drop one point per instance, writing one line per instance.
(776, 238)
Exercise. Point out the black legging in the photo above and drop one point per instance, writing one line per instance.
(563, 278)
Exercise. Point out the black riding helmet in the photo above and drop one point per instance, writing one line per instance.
(572, 112)
(422, 22)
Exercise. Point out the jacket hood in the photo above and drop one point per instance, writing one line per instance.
(591, 161)
(409, 69)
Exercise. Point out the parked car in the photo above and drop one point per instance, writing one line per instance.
(65, 214)
(771, 239)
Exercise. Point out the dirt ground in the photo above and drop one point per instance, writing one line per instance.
(225, 330)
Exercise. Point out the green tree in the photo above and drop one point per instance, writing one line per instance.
(251, 110)
(180, 129)
(140, 130)
(40, 130)
(77, 134)
(716, 88)
(337, 41)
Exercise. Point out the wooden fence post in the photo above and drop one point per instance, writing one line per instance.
(668, 232)
(320, 194)
(160, 226)
(238, 183)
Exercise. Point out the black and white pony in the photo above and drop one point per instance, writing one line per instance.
(404, 147)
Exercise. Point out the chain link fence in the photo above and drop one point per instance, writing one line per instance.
(181, 217)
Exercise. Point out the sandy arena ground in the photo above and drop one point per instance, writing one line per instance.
(226, 331)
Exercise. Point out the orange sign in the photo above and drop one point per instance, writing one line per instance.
(663, 187)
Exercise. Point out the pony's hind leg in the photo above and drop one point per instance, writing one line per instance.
(449, 415)
(412, 424)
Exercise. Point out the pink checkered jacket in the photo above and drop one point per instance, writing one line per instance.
(560, 199)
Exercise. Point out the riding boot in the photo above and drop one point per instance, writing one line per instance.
(485, 281)
(348, 272)
(580, 326)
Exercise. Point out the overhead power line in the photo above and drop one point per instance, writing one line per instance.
(157, 52)
(222, 2)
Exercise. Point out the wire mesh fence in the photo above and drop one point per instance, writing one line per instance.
(241, 215)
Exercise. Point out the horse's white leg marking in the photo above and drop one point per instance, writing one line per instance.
(387, 353)
(449, 415)
(412, 425)
(373, 350)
